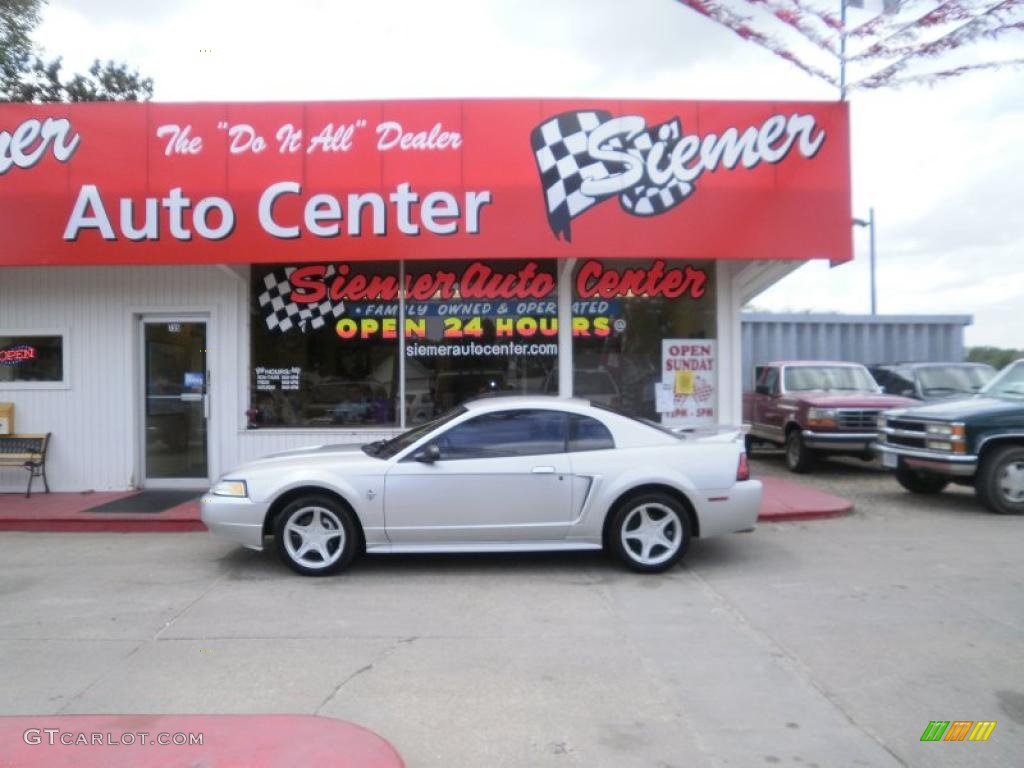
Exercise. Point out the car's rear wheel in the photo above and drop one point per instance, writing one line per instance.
(799, 458)
(316, 536)
(650, 533)
(919, 482)
(1000, 481)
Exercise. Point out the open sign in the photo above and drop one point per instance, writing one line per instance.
(17, 354)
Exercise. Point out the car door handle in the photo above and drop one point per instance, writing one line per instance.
(543, 470)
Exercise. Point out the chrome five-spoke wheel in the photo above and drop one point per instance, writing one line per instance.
(315, 535)
(651, 532)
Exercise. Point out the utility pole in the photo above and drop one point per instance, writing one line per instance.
(870, 224)
(842, 50)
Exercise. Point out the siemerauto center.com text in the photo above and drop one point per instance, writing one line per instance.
(471, 348)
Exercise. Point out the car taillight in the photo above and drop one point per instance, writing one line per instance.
(743, 470)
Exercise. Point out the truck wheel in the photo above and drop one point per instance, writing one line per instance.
(917, 482)
(1000, 481)
(799, 458)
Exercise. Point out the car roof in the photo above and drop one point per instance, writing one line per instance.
(500, 400)
(923, 364)
(811, 362)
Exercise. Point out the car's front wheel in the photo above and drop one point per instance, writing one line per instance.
(650, 533)
(1000, 481)
(799, 458)
(917, 482)
(316, 536)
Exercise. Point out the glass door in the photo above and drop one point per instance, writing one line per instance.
(176, 404)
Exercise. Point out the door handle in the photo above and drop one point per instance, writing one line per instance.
(543, 470)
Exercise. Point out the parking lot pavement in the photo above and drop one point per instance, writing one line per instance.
(824, 643)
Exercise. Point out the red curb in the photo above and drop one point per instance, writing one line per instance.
(228, 741)
(66, 513)
(103, 526)
(784, 500)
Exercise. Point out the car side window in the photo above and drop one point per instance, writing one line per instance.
(771, 380)
(901, 382)
(587, 434)
(505, 433)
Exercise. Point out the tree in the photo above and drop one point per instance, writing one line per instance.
(26, 76)
(994, 356)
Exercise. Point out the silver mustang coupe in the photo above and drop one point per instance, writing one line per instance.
(497, 474)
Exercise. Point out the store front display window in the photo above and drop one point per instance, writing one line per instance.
(327, 350)
(307, 370)
(493, 330)
(624, 310)
(31, 359)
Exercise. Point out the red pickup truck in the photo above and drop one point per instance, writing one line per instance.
(815, 408)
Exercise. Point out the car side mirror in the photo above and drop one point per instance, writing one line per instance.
(763, 389)
(428, 455)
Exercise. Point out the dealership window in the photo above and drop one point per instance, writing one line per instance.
(33, 359)
(326, 349)
(306, 371)
(643, 338)
(473, 336)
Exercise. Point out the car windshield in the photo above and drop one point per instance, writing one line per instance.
(852, 378)
(385, 449)
(1009, 382)
(953, 379)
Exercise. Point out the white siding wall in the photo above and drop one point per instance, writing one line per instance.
(94, 422)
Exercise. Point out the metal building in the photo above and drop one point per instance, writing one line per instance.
(864, 339)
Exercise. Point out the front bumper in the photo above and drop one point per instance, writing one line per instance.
(958, 464)
(844, 442)
(235, 519)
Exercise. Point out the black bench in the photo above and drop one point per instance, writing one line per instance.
(28, 451)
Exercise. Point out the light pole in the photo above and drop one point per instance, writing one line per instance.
(870, 224)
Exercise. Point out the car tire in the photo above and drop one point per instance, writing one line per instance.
(919, 482)
(799, 458)
(316, 535)
(1000, 481)
(650, 533)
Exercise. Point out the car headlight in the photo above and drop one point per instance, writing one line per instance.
(945, 430)
(230, 488)
(821, 417)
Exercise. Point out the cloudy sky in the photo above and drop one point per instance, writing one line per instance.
(942, 166)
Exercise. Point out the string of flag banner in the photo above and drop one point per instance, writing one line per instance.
(899, 35)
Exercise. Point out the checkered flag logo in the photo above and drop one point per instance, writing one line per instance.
(560, 146)
(282, 313)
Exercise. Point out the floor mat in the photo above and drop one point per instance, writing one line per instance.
(147, 502)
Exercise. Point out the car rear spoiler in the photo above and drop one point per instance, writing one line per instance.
(711, 433)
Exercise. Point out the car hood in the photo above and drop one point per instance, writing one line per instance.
(823, 399)
(964, 408)
(339, 456)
